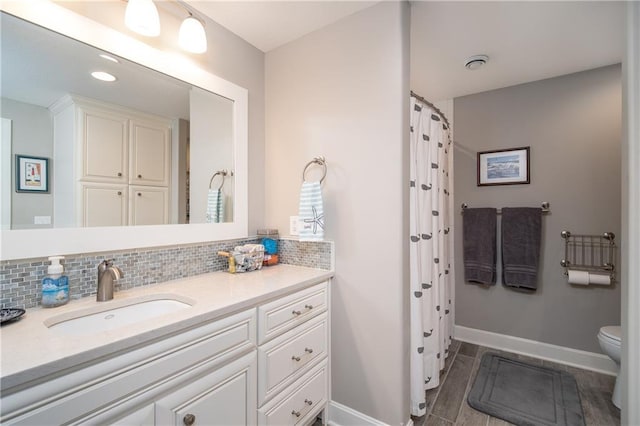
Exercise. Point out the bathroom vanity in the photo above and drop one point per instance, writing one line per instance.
(239, 349)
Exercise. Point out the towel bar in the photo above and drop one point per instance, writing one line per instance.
(545, 207)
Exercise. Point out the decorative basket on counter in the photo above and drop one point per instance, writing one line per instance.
(246, 258)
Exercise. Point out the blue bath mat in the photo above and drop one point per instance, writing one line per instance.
(525, 394)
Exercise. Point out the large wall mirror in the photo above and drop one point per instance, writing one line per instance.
(157, 157)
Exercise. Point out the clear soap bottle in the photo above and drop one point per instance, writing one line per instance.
(55, 285)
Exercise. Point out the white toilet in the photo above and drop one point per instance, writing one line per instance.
(610, 338)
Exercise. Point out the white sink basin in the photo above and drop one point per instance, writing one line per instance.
(116, 314)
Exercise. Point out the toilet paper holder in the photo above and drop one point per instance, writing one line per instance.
(593, 253)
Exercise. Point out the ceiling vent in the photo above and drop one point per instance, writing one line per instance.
(474, 62)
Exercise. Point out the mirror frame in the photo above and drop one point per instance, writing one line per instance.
(31, 243)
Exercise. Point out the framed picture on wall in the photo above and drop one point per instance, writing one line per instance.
(503, 167)
(32, 174)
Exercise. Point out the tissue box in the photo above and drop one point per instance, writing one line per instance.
(248, 257)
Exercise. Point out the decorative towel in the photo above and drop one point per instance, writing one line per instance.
(215, 206)
(479, 245)
(521, 234)
(311, 213)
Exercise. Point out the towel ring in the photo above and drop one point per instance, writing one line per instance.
(316, 160)
(222, 173)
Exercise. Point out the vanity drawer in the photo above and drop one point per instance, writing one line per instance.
(281, 359)
(301, 402)
(281, 315)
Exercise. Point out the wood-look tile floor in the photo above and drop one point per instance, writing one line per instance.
(447, 404)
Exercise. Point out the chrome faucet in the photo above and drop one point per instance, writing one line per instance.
(108, 273)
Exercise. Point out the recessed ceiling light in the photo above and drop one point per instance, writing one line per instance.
(474, 62)
(103, 76)
(109, 58)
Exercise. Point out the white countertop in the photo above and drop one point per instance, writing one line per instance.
(31, 351)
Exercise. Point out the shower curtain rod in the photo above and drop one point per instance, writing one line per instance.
(432, 106)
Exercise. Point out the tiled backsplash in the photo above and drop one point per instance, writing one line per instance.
(21, 279)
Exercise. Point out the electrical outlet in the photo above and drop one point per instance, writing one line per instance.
(293, 225)
(42, 220)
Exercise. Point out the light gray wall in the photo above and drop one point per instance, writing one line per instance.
(228, 56)
(573, 126)
(342, 92)
(32, 130)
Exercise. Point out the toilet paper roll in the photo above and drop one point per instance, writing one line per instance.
(578, 277)
(586, 278)
(599, 279)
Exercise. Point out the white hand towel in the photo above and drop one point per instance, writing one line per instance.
(311, 213)
(215, 206)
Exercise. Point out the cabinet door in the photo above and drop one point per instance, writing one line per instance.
(225, 397)
(150, 151)
(104, 138)
(103, 204)
(148, 205)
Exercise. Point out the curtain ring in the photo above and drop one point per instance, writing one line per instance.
(223, 173)
(317, 160)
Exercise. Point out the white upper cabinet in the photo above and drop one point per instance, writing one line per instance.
(104, 137)
(150, 152)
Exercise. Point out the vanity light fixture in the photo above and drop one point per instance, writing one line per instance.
(142, 17)
(192, 36)
(109, 58)
(103, 76)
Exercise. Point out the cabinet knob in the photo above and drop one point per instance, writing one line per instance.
(119, 174)
(296, 358)
(296, 313)
(189, 419)
(308, 402)
(119, 192)
(139, 176)
(139, 194)
(308, 307)
(308, 350)
(295, 413)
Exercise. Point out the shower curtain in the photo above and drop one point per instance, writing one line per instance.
(431, 249)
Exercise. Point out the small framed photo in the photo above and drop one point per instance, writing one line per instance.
(503, 167)
(32, 174)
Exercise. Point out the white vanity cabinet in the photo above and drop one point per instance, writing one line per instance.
(263, 363)
(211, 362)
(293, 337)
(96, 143)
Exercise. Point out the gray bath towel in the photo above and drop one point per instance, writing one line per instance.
(479, 245)
(521, 234)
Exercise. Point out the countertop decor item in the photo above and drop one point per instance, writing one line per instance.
(10, 314)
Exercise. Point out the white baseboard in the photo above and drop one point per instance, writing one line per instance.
(574, 357)
(341, 415)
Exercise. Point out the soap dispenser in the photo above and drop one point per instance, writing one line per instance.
(55, 285)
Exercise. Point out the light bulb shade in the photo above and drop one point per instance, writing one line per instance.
(192, 37)
(142, 17)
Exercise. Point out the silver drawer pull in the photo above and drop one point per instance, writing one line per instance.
(296, 313)
(308, 307)
(295, 413)
(296, 358)
(308, 402)
(308, 350)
